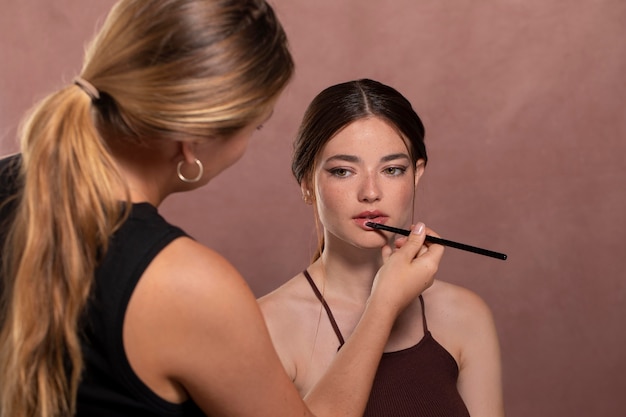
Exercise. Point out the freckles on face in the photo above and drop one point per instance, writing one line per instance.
(364, 171)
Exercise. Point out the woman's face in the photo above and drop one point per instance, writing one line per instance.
(364, 173)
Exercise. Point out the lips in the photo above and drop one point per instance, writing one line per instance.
(370, 216)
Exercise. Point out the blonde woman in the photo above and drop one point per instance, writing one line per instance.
(109, 310)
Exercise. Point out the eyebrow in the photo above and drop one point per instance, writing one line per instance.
(394, 156)
(353, 158)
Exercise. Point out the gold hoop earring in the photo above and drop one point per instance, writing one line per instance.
(307, 198)
(190, 180)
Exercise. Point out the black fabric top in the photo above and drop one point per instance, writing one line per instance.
(9, 187)
(109, 387)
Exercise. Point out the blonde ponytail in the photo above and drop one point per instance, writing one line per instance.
(158, 70)
(66, 211)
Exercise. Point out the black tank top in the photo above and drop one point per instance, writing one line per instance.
(109, 386)
(419, 381)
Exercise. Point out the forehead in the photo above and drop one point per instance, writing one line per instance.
(370, 135)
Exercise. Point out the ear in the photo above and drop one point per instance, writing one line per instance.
(188, 150)
(420, 165)
(307, 193)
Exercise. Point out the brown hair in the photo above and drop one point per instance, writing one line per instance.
(164, 70)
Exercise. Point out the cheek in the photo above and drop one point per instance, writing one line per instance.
(403, 200)
(407, 196)
(329, 197)
(330, 200)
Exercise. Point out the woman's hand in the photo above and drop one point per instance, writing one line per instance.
(408, 270)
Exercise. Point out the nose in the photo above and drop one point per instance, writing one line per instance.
(369, 190)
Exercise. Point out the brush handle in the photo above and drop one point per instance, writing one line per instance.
(440, 241)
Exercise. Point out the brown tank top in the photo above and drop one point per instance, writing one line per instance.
(419, 381)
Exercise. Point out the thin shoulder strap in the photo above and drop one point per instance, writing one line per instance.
(423, 314)
(326, 307)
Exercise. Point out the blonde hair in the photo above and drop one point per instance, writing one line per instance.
(164, 70)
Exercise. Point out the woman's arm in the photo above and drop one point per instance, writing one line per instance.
(480, 381)
(194, 328)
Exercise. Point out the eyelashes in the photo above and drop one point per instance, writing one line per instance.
(393, 171)
(339, 172)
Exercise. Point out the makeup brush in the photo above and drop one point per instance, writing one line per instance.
(440, 241)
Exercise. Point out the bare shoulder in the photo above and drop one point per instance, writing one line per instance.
(456, 302)
(291, 313)
(287, 306)
(456, 316)
(188, 286)
(193, 328)
(286, 297)
(199, 287)
(462, 322)
(187, 259)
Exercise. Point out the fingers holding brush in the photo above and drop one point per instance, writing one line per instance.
(402, 239)
(409, 270)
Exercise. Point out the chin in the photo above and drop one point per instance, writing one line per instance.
(371, 244)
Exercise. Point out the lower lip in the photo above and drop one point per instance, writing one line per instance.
(360, 221)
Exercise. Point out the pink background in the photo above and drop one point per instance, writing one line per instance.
(524, 107)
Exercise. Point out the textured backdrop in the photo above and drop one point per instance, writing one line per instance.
(524, 104)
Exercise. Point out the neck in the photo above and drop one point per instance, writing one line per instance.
(147, 172)
(349, 272)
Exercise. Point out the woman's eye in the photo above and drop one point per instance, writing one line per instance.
(339, 172)
(394, 171)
